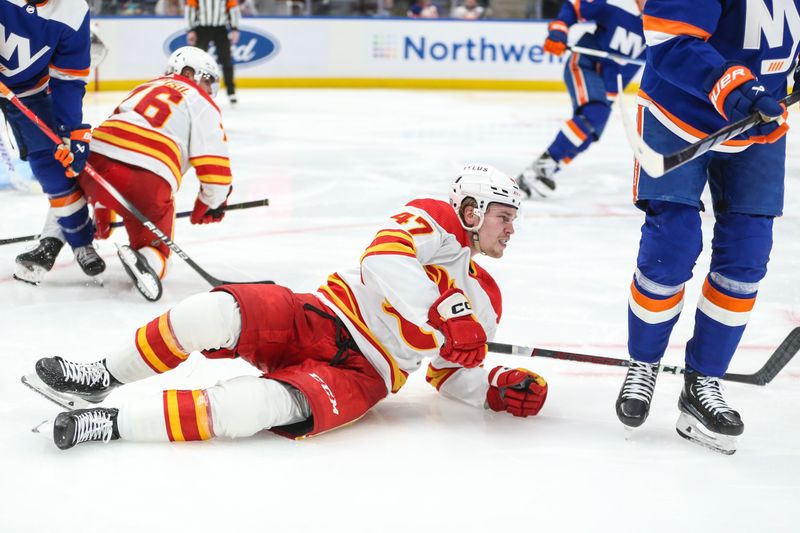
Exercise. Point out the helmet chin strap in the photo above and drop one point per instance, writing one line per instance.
(476, 240)
(473, 230)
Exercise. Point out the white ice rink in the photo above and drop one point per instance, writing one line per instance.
(334, 164)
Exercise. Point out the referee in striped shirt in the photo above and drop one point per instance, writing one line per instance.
(211, 20)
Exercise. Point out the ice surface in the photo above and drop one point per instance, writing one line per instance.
(334, 164)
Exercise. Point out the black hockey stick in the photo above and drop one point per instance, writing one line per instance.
(782, 355)
(656, 164)
(118, 224)
(619, 58)
(215, 282)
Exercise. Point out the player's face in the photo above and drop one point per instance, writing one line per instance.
(205, 84)
(497, 228)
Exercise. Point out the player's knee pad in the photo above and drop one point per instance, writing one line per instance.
(206, 321)
(741, 247)
(593, 116)
(245, 405)
(670, 244)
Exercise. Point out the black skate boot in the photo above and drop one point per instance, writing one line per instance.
(539, 176)
(83, 425)
(633, 402)
(705, 416)
(71, 385)
(144, 277)
(91, 263)
(34, 264)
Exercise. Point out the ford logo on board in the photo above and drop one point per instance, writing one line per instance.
(254, 46)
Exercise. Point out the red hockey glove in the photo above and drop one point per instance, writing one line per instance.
(202, 214)
(556, 42)
(465, 340)
(736, 93)
(74, 151)
(103, 218)
(516, 390)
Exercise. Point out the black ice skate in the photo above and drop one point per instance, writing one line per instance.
(91, 263)
(34, 264)
(633, 402)
(705, 417)
(71, 385)
(144, 277)
(539, 177)
(84, 425)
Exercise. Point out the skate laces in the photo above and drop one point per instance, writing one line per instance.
(85, 373)
(85, 254)
(640, 382)
(709, 391)
(93, 425)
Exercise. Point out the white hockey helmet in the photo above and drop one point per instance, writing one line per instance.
(201, 62)
(486, 185)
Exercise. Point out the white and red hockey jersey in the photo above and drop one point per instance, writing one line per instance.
(164, 126)
(420, 253)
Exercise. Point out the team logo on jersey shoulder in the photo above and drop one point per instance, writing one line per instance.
(254, 46)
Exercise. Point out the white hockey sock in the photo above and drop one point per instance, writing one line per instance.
(245, 405)
(204, 321)
(240, 407)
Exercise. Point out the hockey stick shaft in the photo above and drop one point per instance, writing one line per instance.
(213, 281)
(118, 224)
(782, 355)
(619, 58)
(656, 164)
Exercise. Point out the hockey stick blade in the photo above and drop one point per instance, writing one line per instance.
(183, 214)
(782, 355)
(656, 164)
(67, 401)
(777, 361)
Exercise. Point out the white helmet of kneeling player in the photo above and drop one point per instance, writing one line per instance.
(204, 66)
(486, 185)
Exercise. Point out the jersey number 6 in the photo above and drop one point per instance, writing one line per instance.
(155, 105)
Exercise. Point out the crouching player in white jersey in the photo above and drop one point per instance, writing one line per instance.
(328, 357)
(738, 66)
(144, 149)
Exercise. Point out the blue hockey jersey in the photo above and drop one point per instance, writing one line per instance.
(619, 24)
(688, 39)
(47, 46)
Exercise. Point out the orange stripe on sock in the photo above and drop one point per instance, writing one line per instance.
(729, 303)
(654, 305)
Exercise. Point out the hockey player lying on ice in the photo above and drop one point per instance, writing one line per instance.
(327, 357)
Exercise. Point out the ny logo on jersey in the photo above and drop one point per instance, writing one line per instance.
(773, 27)
(626, 42)
(10, 43)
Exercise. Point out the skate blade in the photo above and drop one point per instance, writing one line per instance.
(67, 401)
(146, 284)
(692, 430)
(32, 274)
(44, 428)
(628, 431)
(541, 188)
